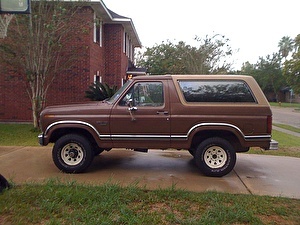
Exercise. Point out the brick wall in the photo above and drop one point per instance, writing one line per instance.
(115, 59)
(70, 85)
(15, 105)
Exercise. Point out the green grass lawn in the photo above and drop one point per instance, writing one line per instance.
(287, 127)
(18, 135)
(289, 145)
(286, 104)
(71, 203)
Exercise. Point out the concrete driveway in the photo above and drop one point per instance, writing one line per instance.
(253, 174)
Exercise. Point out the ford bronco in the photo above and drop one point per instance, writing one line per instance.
(213, 117)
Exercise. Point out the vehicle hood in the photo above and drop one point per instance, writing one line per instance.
(91, 108)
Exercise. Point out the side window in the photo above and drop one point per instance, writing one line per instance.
(145, 94)
(216, 91)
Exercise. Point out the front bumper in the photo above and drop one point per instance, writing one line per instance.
(41, 139)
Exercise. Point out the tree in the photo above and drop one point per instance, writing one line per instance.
(98, 91)
(286, 45)
(41, 56)
(271, 74)
(268, 74)
(247, 68)
(160, 59)
(291, 69)
(208, 58)
(215, 51)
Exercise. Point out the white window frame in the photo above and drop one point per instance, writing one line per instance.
(96, 20)
(124, 42)
(95, 28)
(100, 33)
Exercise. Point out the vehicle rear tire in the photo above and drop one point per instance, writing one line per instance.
(72, 153)
(215, 157)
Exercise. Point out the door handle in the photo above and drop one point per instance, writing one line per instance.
(162, 112)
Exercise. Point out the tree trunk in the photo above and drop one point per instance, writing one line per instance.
(35, 113)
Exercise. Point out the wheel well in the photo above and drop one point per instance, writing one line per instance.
(227, 135)
(63, 131)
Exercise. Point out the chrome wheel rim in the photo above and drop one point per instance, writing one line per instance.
(72, 154)
(215, 157)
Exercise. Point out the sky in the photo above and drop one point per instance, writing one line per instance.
(254, 27)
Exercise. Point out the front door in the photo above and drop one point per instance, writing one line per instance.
(141, 118)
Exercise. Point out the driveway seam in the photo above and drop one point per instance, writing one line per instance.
(244, 184)
(15, 150)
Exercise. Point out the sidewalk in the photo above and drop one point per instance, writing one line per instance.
(286, 131)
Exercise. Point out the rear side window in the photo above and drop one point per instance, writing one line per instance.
(216, 91)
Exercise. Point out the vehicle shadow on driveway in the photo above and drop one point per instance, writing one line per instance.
(126, 160)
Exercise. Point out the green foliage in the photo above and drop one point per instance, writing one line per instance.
(55, 202)
(291, 68)
(267, 72)
(169, 58)
(98, 91)
(285, 46)
(273, 75)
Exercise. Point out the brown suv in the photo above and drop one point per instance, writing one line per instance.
(213, 117)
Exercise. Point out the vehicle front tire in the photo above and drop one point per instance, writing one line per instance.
(72, 153)
(215, 157)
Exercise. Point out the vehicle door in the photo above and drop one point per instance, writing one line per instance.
(140, 118)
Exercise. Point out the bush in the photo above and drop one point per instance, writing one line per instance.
(99, 92)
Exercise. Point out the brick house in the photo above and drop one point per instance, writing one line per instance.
(107, 56)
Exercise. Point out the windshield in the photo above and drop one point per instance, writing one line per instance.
(117, 94)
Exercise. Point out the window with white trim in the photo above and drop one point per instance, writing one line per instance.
(124, 42)
(97, 78)
(97, 30)
(127, 46)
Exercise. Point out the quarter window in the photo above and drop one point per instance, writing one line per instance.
(216, 91)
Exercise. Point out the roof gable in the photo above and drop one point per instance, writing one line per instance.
(109, 16)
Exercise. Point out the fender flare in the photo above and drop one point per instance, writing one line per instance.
(73, 124)
(219, 127)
